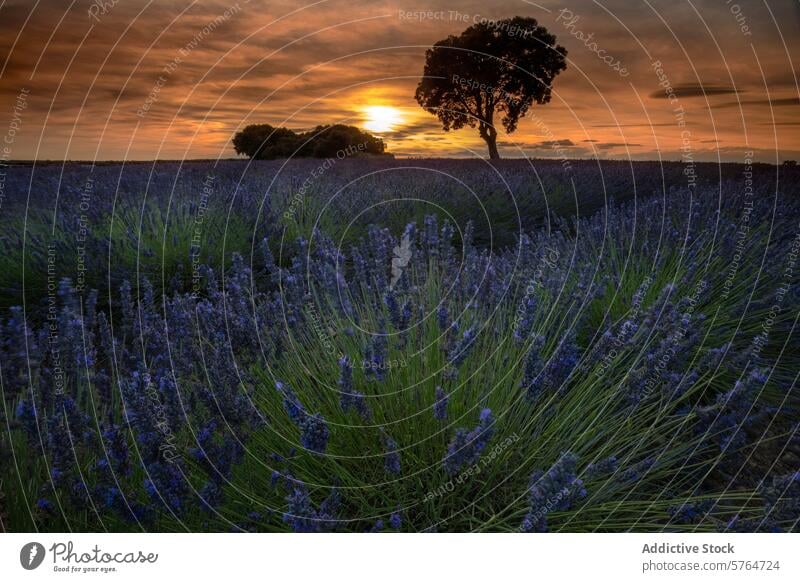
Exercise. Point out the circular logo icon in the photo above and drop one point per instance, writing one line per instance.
(31, 555)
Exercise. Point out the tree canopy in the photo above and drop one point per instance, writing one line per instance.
(501, 67)
(265, 142)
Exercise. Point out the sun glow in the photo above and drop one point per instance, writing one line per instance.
(380, 118)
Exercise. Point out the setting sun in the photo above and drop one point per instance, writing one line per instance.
(380, 118)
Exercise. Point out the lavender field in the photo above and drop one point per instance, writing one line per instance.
(400, 345)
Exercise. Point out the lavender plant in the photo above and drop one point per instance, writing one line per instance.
(274, 382)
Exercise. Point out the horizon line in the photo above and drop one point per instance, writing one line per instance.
(8, 163)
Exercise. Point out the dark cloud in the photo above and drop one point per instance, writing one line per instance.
(612, 145)
(688, 90)
(556, 143)
(614, 125)
(782, 102)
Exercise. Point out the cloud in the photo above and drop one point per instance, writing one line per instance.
(614, 125)
(781, 102)
(555, 143)
(687, 90)
(612, 145)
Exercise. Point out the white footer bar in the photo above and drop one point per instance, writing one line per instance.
(400, 557)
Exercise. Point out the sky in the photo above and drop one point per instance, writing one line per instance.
(175, 79)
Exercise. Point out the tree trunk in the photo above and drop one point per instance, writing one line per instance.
(488, 131)
(491, 142)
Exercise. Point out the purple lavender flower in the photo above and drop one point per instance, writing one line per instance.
(376, 352)
(329, 509)
(602, 468)
(303, 517)
(726, 421)
(167, 486)
(524, 327)
(540, 378)
(636, 471)
(690, 512)
(442, 317)
(461, 350)
(351, 399)
(300, 514)
(46, 506)
(395, 317)
(405, 315)
(391, 456)
(556, 490)
(26, 415)
(440, 404)
(314, 433)
(117, 447)
(291, 404)
(395, 521)
(431, 234)
(466, 447)
(531, 377)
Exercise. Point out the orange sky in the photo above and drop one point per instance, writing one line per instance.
(174, 79)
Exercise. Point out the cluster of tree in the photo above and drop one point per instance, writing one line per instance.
(265, 142)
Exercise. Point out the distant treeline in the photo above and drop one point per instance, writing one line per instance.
(265, 142)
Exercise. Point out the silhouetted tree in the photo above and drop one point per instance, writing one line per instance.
(329, 141)
(265, 142)
(501, 67)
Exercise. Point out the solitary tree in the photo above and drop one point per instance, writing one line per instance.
(501, 67)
